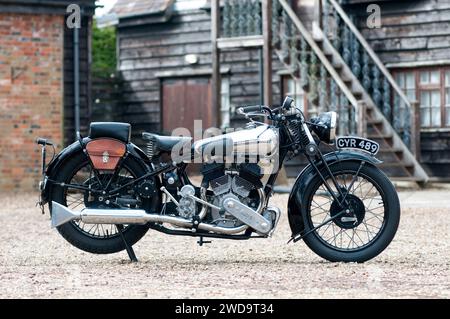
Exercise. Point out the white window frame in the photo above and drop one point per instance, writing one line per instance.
(225, 105)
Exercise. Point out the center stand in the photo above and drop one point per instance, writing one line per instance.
(129, 248)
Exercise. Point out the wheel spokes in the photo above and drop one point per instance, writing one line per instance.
(365, 230)
(76, 199)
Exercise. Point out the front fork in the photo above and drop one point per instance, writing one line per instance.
(342, 203)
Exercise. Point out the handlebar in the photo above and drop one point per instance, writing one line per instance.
(43, 142)
(249, 109)
(284, 109)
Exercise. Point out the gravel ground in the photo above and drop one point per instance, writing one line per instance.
(35, 262)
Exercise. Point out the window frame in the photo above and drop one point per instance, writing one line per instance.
(225, 105)
(429, 87)
(445, 104)
(285, 87)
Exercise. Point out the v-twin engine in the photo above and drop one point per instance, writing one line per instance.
(234, 184)
(241, 203)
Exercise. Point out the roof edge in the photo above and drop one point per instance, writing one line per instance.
(138, 15)
(45, 6)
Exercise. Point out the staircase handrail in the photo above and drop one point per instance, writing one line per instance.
(370, 52)
(308, 38)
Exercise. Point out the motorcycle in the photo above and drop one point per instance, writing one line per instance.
(104, 193)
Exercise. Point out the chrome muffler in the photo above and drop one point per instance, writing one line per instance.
(62, 215)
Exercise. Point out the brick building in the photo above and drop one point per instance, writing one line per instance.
(36, 83)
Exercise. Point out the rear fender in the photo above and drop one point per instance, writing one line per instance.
(306, 176)
(77, 147)
(55, 164)
(64, 155)
(138, 153)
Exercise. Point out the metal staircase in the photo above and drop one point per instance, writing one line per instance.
(339, 71)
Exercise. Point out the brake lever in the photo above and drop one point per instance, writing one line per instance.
(248, 116)
(263, 114)
(277, 109)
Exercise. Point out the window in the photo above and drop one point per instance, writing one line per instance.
(407, 82)
(292, 88)
(431, 88)
(447, 97)
(430, 98)
(225, 108)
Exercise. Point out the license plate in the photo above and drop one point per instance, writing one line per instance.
(358, 143)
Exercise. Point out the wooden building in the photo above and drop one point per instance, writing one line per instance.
(183, 60)
(164, 54)
(36, 83)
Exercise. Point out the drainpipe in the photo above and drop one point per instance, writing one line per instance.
(261, 76)
(76, 79)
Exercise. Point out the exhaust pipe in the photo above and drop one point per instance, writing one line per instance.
(62, 215)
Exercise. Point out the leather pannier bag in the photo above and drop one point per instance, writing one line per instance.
(105, 153)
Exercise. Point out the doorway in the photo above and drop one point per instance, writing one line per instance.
(185, 100)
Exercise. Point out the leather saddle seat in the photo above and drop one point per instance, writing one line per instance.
(207, 148)
(115, 130)
(166, 143)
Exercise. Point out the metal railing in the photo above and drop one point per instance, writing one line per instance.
(365, 64)
(325, 89)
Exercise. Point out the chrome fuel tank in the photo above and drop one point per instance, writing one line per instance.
(261, 140)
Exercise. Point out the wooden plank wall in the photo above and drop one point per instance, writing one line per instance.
(148, 49)
(411, 31)
(435, 153)
(106, 96)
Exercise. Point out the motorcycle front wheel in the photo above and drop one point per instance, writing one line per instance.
(371, 218)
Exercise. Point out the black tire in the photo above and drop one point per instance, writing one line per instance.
(387, 230)
(73, 234)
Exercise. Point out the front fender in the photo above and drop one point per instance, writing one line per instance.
(306, 176)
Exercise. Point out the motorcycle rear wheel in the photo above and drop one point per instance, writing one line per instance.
(105, 239)
(377, 214)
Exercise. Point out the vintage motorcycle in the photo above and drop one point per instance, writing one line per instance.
(105, 193)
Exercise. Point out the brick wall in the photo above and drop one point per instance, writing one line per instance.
(31, 94)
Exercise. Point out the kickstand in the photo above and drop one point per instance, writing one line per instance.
(129, 248)
(201, 242)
